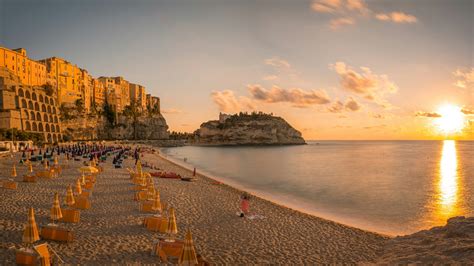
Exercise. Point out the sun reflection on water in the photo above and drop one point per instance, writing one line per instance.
(448, 200)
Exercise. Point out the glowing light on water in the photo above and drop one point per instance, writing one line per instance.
(449, 185)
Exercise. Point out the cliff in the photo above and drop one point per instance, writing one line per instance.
(244, 129)
(86, 127)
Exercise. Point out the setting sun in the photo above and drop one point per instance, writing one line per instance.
(451, 120)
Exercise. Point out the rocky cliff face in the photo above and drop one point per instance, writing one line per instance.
(248, 130)
(96, 127)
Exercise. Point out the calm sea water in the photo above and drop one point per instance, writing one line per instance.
(392, 187)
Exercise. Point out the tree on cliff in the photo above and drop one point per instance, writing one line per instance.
(133, 111)
(109, 114)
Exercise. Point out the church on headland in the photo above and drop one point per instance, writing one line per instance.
(32, 92)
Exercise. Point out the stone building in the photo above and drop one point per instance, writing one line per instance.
(28, 108)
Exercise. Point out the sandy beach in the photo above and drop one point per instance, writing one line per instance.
(111, 232)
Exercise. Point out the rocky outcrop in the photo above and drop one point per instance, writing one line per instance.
(96, 127)
(444, 245)
(243, 129)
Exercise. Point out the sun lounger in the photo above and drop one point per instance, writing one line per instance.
(82, 203)
(146, 206)
(26, 257)
(44, 256)
(70, 216)
(155, 224)
(29, 178)
(170, 175)
(10, 184)
(86, 193)
(89, 185)
(140, 195)
(166, 250)
(56, 233)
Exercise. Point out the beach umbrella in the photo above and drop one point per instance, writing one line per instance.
(70, 197)
(156, 206)
(30, 233)
(172, 227)
(188, 254)
(139, 167)
(30, 168)
(45, 163)
(150, 195)
(14, 171)
(194, 171)
(83, 179)
(78, 187)
(56, 160)
(56, 213)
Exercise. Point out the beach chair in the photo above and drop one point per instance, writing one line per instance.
(89, 185)
(147, 206)
(29, 178)
(140, 195)
(57, 233)
(43, 254)
(70, 216)
(9, 184)
(86, 193)
(82, 203)
(25, 257)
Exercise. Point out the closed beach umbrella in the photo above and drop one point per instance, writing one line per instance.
(45, 163)
(30, 233)
(83, 179)
(156, 202)
(78, 187)
(56, 213)
(139, 167)
(14, 171)
(56, 160)
(172, 227)
(150, 192)
(188, 255)
(30, 168)
(70, 196)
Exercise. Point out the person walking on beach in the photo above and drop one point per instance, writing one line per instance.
(244, 204)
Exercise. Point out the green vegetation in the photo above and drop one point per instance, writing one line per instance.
(6, 134)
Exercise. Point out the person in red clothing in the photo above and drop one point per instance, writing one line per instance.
(244, 205)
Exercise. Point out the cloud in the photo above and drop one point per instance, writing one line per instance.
(375, 127)
(270, 77)
(467, 111)
(228, 102)
(348, 12)
(378, 116)
(277, 62)
(339, 6)
(465, 78)
(335, 24)
(371, 86)
(427, 114)
(350, 105)
(396, 17)
(296, 96)
(172, 111)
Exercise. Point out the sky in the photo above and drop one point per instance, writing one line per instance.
(334, 69)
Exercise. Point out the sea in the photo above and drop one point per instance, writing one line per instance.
(390, 187)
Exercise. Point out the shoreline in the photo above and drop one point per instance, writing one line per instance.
(263, 196)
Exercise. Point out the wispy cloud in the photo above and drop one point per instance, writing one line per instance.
(227, 101)
(296, 96)
(340, 22)
(375, 127)
(348, 12)
(371, 86)
(350, 105)
(467, 111)
(270, 77)
(427, 114)
(277, 62)
(465, 78)
(396, 17)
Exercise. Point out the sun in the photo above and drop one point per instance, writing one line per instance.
(451, 119)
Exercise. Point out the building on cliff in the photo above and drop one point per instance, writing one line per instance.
(33, 92)
(28, 108)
